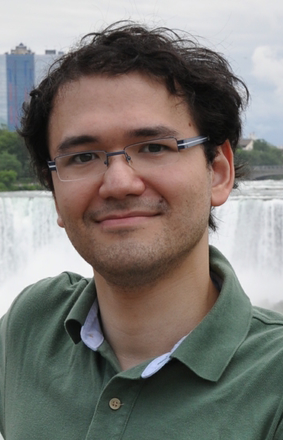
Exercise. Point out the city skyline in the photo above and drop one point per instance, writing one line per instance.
(248, 33)
(20, 70)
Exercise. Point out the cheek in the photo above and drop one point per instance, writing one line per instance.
(194, 194)
(71, 200)
(181, 188)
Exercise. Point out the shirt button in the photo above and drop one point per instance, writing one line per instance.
(115, 403)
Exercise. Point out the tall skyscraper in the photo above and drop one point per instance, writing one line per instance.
(20, 80)
(42, 62)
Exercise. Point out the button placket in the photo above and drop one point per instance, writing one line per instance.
(114, 408)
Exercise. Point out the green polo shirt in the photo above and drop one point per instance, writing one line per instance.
(224, 381)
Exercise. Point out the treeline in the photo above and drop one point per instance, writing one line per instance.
(15, 169)
(263, 153)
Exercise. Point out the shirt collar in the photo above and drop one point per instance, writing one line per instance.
(78, 313)
(207, 350)
(211, 345)
(91, 332)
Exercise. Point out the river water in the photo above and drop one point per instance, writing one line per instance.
(250, 234)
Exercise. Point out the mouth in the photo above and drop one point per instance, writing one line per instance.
(125, 219)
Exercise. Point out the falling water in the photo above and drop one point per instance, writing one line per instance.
(250, 234)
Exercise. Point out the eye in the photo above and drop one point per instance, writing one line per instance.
(81, 158)
(154, 148)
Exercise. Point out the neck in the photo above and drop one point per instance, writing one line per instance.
(146, 322)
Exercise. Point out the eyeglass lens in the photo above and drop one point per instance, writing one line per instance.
(141, 156)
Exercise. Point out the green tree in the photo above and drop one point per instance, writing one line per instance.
(262, 145)
(12, 143)
(7, 179)
(9, 162)
(263, 153)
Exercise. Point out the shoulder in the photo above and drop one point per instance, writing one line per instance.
(267, 322)
(67, 285)
(47, 299)
(267, 317)
(264, 341)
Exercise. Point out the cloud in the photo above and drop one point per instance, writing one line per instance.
(268, 67)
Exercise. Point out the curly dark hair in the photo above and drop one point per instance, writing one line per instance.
(204, 79)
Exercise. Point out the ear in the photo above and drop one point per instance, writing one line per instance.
(59, 218)
(223, 174)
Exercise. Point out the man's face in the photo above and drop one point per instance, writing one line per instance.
(132, 227)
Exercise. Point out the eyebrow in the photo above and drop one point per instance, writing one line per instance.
(142, 132)
(74, 141)
(156, 131)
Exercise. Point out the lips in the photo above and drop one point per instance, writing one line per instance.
(122, 221)
(125, 215)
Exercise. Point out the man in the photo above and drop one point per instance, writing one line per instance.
(134, 132)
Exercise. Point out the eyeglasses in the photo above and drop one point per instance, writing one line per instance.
(140, 156)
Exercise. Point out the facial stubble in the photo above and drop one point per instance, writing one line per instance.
(129, 262)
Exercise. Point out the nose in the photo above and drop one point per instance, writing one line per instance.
(120, 180)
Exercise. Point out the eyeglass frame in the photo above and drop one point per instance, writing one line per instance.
(182, 144)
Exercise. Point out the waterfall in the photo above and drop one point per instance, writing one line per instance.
(32, 246)
(250, 235)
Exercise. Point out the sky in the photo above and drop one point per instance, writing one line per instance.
(249, 33)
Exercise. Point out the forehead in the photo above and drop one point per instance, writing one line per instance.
(100, 105)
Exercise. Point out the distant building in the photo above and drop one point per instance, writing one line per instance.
(248, 143)
(43, 62)
(50, 52)
(3, 92)
(10, 109)
(20, 80)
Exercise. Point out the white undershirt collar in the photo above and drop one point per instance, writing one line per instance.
(92, 337)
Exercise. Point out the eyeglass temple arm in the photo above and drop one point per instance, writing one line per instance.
(192, 142)
(51, 165)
